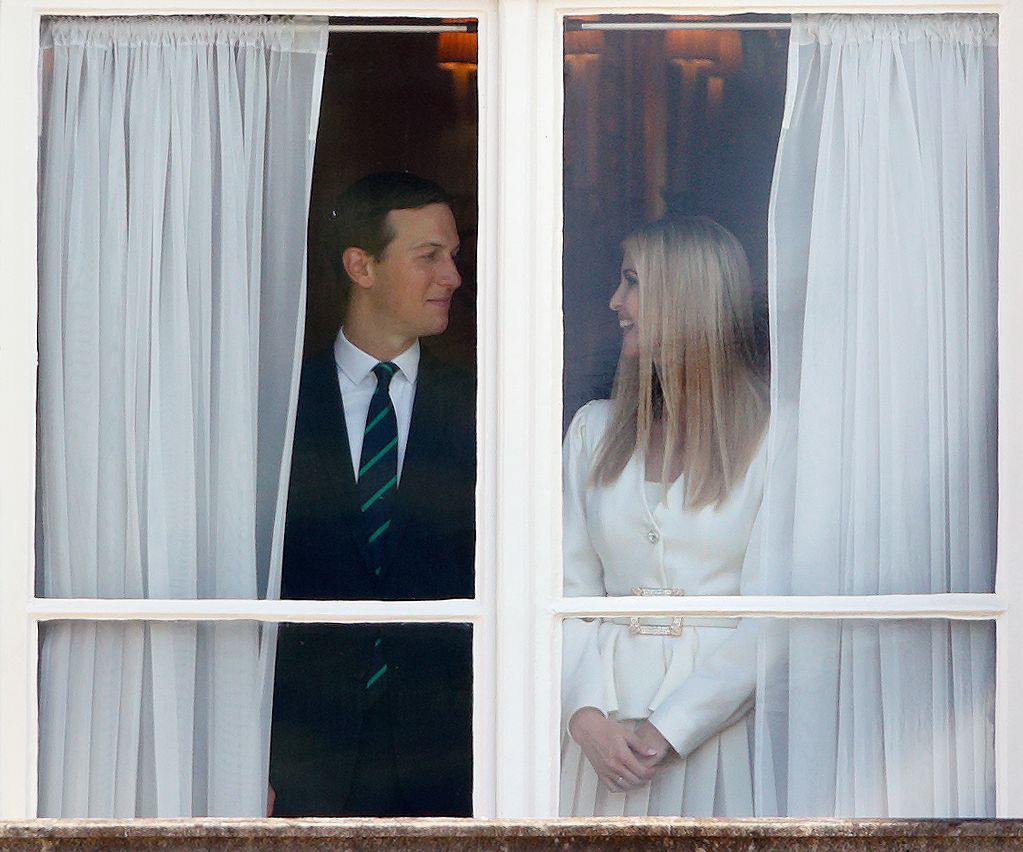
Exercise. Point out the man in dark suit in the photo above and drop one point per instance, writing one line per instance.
(375, 720)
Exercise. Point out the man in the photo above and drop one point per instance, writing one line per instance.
(375, 720)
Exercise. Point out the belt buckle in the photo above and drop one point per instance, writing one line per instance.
(672, 629)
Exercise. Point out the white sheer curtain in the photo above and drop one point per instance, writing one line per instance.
(883, 287)
(176, 164)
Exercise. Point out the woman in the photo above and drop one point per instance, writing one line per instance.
(662, 486)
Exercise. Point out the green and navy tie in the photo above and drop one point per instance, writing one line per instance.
(377, 482)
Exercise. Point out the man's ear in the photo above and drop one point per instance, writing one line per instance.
(357, 263)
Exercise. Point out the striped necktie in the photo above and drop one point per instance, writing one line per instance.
(378, 466)
(377, 482)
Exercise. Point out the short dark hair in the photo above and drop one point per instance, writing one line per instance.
(362, 209)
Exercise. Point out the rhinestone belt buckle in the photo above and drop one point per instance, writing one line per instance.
(672, 629)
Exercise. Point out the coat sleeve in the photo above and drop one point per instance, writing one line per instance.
(721, 688)
(582, 684)
(716, 694)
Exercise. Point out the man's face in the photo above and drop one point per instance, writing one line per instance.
(412, 282)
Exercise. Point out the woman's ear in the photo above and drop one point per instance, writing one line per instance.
(357, 263)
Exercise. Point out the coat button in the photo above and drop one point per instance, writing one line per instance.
(652, 537)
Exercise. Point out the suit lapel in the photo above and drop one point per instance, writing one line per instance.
(425, 443)
(332, 447)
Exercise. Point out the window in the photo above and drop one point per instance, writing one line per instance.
(519, 609)
(188, 458)
(877, 465)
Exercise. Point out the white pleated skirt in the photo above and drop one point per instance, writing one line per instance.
(714, 780)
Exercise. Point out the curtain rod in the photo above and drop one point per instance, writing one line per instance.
(572, 25)
(400, 28)
(679, 25)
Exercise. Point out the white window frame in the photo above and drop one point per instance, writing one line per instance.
(516, 643)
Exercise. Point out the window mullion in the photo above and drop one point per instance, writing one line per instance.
(548, 390)
(485, 678)
(515, 752)
(528, 405)
(18, 97)
(1008, 577)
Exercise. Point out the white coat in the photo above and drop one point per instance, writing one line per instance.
(695, 688)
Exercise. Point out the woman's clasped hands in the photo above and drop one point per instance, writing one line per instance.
(623, 757)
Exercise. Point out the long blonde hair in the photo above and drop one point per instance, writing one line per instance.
(697, 370)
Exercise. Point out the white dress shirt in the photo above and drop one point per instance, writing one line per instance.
(357, 382)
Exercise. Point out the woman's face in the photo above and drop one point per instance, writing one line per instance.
(625, 303)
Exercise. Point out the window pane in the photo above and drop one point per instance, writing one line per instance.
(169, 311)
(852, 450)
(392, 102)
(153, 719)
(764, 717)
(175, 718)
(373, 720)
(659, 123)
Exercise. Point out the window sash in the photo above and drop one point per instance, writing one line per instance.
(959, 606)
(516, 646)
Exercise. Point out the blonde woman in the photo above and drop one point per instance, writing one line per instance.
(662, 486)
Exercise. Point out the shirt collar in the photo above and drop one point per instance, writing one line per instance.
(357, 365)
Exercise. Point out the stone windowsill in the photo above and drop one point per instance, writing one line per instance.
(747, 835)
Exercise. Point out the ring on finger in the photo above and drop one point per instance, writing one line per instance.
(620, 780)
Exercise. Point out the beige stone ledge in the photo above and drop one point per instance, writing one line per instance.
(620, 835)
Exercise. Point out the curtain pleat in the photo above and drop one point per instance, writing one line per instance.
(176, 164)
